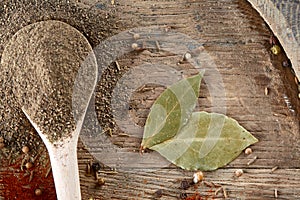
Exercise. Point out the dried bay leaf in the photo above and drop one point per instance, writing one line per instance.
(192, 141)
(171, 111)
(198, 147)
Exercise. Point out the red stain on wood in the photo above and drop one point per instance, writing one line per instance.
(17, 184)
(194, 197)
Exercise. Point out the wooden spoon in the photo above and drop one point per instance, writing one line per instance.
(63, 157)
(53, 73)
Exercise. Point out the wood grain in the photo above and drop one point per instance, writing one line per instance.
(237, 39)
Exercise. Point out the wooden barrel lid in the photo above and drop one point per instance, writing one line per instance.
(283, 17)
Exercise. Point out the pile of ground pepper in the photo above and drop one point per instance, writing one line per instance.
(96, 21)
(41, 62)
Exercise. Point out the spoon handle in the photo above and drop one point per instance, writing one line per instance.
(63, 157)
(65, 171)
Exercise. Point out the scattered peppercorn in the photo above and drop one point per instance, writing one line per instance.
(275, 49)
(2, 145)
(96, 167)
(187, 56)
(185, 184)
(25, 149)
(248, 151)
(239, 172)
(134, 46)
(28, 165)
(158, 193)
(136, 36)
(197, 177)
(101, 181)
(38, 192)
(286, 63)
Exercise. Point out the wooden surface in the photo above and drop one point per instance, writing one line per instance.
(237, 39)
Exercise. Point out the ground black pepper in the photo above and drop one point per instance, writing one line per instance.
(15, 130)
(42, 61)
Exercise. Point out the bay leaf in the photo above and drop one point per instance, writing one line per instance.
(208, 141)
(171, 111)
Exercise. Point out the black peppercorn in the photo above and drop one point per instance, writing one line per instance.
(96, 167)
(286, 63)
(158, 193)
(185, 184)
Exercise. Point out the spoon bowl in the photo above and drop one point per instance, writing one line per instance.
(42, 62)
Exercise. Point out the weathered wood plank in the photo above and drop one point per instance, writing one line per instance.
(237, 39)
